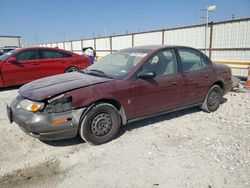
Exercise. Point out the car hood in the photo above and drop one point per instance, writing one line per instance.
(45, 88)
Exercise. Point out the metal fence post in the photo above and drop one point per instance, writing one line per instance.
(71, 44)
(132, 39)
(211, 40)
(19, 42)
(110, 41)
(81, 44)
(163, 36)
(95, 44)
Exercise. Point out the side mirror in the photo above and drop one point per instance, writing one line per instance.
(12, 60)
(146, 74)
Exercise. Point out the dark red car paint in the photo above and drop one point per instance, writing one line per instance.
(18, 73)
(137, 97)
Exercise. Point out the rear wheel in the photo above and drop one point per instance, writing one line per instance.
(101, 124)
(71, 69)
(213, 99)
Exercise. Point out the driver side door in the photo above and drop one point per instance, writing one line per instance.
(23, 70)
(161, 93)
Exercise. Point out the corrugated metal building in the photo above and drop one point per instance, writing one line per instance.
(10, 41)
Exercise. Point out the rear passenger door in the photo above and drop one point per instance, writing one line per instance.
(196, 71)
(52, 62)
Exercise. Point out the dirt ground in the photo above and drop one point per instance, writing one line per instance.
(189, 148)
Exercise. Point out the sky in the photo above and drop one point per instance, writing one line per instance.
(41, 21)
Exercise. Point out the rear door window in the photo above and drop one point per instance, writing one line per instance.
(52, 54)
(192, 60)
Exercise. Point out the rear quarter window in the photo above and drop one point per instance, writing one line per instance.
(65, 55)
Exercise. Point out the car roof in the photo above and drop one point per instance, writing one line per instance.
(38, 47)
(157, 47)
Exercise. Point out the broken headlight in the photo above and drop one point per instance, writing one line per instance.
(58, 104)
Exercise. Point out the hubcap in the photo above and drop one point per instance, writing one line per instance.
(101, 124)
(213, 99)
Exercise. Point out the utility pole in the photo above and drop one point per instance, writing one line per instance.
(210, 8)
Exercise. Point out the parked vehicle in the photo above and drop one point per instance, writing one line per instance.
(23, 65)
(6, 49)
(125, 86)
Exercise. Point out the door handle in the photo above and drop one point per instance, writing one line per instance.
(34, 63)
(174, 83)
(62, 62)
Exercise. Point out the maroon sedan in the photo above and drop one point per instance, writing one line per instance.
(23, 65)
(125, 86)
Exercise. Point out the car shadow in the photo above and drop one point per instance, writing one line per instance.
(9, 88)
(156, 119)
(223, 100)
(131, 126)
(160, 118)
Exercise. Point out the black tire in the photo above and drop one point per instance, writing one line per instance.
(100, 125)
(213, 99)
(71, 69)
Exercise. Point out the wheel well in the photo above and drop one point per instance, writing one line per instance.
(118, 106)
(219, 83)
(70, 67)
(115, 103)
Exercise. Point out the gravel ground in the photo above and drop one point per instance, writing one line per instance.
(189, 148)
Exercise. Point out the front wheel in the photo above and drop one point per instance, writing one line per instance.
(100, 125)
(213, 99)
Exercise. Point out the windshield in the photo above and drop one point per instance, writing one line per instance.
(2, 57)
(118, 65)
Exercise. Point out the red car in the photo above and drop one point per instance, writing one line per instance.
(20, 66)
(125, 86)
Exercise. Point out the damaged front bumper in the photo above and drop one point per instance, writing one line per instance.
(43, 125)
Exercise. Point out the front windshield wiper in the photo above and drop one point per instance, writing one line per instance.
(96, 72)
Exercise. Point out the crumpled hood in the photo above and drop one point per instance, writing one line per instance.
(45, 88)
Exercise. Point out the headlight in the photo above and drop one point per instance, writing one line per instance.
(30, 105)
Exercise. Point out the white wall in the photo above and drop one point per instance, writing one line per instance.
(193, 37)
(242, 55)
(53, 45)
(67, 45)
(9, 41)
(153, 38)
(233, 34)
(88, 43)
(60, 45)
(77, 45)
(121, 42)
(103, 44)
